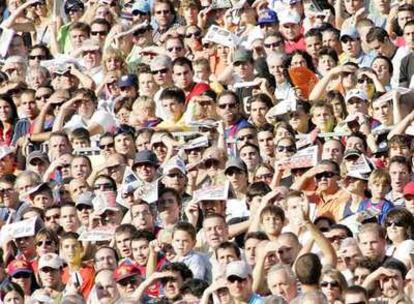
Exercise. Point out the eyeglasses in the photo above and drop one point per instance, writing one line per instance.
(83, 207)
(332, 284)
(273, 44)
(399, 224)
(164, 12)
(176, 48)
(48, 269)
(47, 96)
(104, 187)
(319, 176)
(354, 101)
(39, 57)
(140, 32)
(233, 171)
(211, 163)
(362, 80)
(52, 217)
(44, 243)
(107, 146)
(175, 175)
(233, 279)
(194, 34)
(245, 137)
(100, 33)
(6, 190)
(158, 145)
(227, 105)
(239, 63)
(22, 275)
(128, 281)
(161, 71)
(290, 148)
(64, 166)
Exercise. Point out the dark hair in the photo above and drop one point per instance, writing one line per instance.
(377, 33)
(69, 236)
(107, 177)
(404, 217)
(81, 26)
(390, 66)
(184, 271)
(395, 264)
(101, 21)
(44, 48)
(8, 178)
(88, 94)
(173, 93)
(266, 127)
(305, 55)
(229, 93)
(107, 247)
(229, 245)
(8, 287)
(257, 235)
(264, 98)
(182, 61)
(314, 32)
(356, 289)
(194, 287)
(125, 228)
(272, 209)
(14, 117)
(332, 163)
(257, 189)
(344, 228)
(328, 51)
(308, 269)
(361, 136)
(398, 159)
(81, 134)
(368, 263)
(143, 235)
(186, 227)
(172, 191)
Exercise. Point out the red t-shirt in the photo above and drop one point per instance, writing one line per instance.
(88, 275)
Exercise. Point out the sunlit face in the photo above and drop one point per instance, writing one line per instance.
(281, 284)
(392, 285)
(371, 245)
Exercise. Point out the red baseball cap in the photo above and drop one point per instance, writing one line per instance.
(125, 270)
(409, 189)
(18, 266)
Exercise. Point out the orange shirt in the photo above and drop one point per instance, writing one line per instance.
(330, 205)
(88, 276)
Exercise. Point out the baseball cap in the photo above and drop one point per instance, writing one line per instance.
(289, 17)
(146, 157)
(128, 80)
(73, 4)
(382, 147)
(350, 32)
(356, 93)
(141, 6)
(125, 270)
(85, 199)
(124, 129)
(160, 62)
(235, 163)
(4, 151)
(51, 260)
(351, 152)
(239, 269)
(409, 189)
(175, 162)
(38, 188)
(242, 55)
(267, 16)
(18, 266)
(37, 155)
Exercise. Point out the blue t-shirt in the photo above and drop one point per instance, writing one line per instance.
(256, 299)
(384, 206)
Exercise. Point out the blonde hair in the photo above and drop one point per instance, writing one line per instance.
(144, 102)
(111, 52)
(379, 176)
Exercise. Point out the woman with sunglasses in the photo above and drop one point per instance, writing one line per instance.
(192, 41)
(285, 148)
(368, 82)
(43, 21)
(332, 283)
(46, 241)
(399, 225)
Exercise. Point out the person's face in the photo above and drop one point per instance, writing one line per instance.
(287, 250)
(26, 245)
(128, 91)
(228, 109)
(327, 179)
(123, 244)
(409, 34)
(371, 245)
(9, 197)
(266, 143)
(52, 218)
(5, 111)
(400, 149)
(13, 297)
(69, 219)
(352, 298)
(352, 6)
(42, 200)
(237, 178)
(172, 286)
(168, 207)
(313, 45)
(142, 217)
(329, 39)
(77, 187)
(399, 176)
(322, 118)
(77, 37)
(250, 250)
(215, 231)
(273, 44)
(392, 286)
(44, 245)
(396, 230)
(162, 14)
(80, 168)
(182, 242)
(58, 146)
(50, 277)
(272, 224)
(276, 68)
(351, 46)
(360, 274)
(239, 288)
(106, 289)
(258, 111)
(299, 120)
(105, 259)
(330, 288)
(92, 58)
(250, 156)
(173, 107)
(113, 63)
(285, 148)
(281, 285)
(350, 256)
(403, 17)
(99, 32)
(355, 143)
(381, 68)
(24, 281)
(124, 144)
(146, 171)
(298, 61)
(147, 85)
(183, 76)
(17, 47)
(84, 212)
(409, 203)
(107, 145)
(222, 51)
(326, 63)
(382, 111)
(290, 30)
(162, 75)
(75, 14)
(226, 255)
(128, 285)
(175, 179)
(190, 14)
(143, 142)
(244, 69)
(244, 136)
(140, 251)
(332, 150)
(71, 250)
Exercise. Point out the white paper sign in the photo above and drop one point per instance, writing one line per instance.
(304, 158)
(5, 40)
(199, 142)
(19, 229)
(221, 36)
(361, 165)
(213, 193)
(97, 235)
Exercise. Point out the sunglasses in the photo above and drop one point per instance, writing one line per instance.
(52, 217)
(48, 269)
(45, 243)
(40, 57)
(107, 146)
(319, 176)
(175, 48)
(6, 190)
(194, 34)
(233, 279)
(399, 224)
(175, 175)
(332, 284)
(64, 166)
(47, 96)
(355, 101)
(227, 105)
(105, 187)
(22, 275)
(234, 171)
(100, 33)
(362, 80)
(129, 281)
(239, 63)
(291, 148)
(164, 12)
(83, 207)
(211, 163)
(162, 71)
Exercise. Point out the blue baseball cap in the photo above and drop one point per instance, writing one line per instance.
(128, 81)
(267, 16)
(141, 6)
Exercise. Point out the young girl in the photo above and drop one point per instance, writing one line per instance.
(379, 184)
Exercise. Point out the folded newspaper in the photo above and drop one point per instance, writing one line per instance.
(221, 36)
